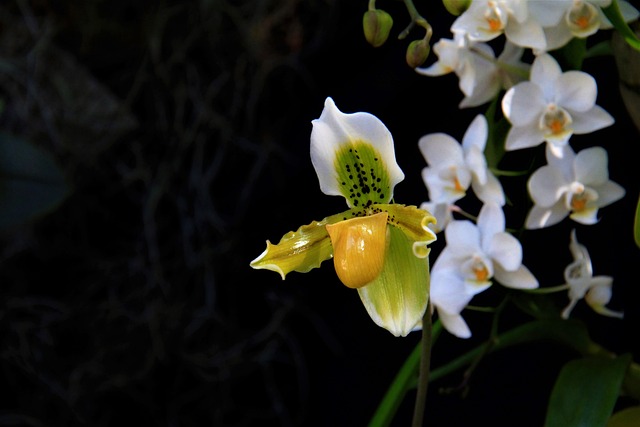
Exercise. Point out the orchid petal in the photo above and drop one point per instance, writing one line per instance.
(347, 148)
(523, 103)
(576, 90)
(521, 278)
(523, 137)
(299, 251)
(591, 120)
(590, 166)
(506, 251)
(397, 299)
(546, 186)
(541, 217)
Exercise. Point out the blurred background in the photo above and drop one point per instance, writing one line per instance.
(149, 149)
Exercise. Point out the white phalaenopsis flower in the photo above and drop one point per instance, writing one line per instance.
(571, 184)
(580, 18)
(474, 255)
(454, 167)
(485, 20)
(552, 106)
(480, 75)
(582, 284)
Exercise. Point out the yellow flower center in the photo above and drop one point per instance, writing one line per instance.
(583, 18)
(556, 122)
(495, 18)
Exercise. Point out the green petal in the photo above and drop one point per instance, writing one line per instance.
(301, 250)
(397, 299)
(414, 223)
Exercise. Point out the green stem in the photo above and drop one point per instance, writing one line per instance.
(416, 19)
(425, 365)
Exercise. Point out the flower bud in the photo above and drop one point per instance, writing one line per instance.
(377, 25)
(456, 7)
(417, 53)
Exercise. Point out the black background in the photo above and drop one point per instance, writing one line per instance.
(133, 302)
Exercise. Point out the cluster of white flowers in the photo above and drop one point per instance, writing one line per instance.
(542, 104)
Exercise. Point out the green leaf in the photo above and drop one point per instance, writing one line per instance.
(636, 225)
(586, 391)
(31, 184)
(629, 417)
(573, 53)
(614, 15)
(494, 150)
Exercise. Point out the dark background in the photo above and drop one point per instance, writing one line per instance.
(182, 130)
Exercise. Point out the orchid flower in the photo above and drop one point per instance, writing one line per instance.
(581, 18)
(485, 20)
(378, 247)
(473, 256)
(454, 167)
(571, 184)
(596, 291)
(552, 106)
(480, 75)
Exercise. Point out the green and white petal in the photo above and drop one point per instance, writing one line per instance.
(397, 299)
(354, 157)
(301, 250)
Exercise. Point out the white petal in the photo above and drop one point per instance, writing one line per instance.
(576, 91)
(526, 34)
(546, 186)
(548, 13)
(476, 134)
(541, 217)
(523, 104)
(447, 291)
(455, 324)
(591, 120)
(491, 191)
(506, 251)
(544, 73)
(441, 151)
(463, 238)
(521, 278)
(590, 166)
(524, 137)
(490, 220)
(334, 129)
(477, 164)
(608, 193)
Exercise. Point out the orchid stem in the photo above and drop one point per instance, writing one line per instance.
(425, 366)
(416, 19)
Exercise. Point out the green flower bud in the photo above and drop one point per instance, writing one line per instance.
(456, 7)
(377, 25)
(417, 53)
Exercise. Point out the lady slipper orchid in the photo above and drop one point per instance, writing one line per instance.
(378, 247)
